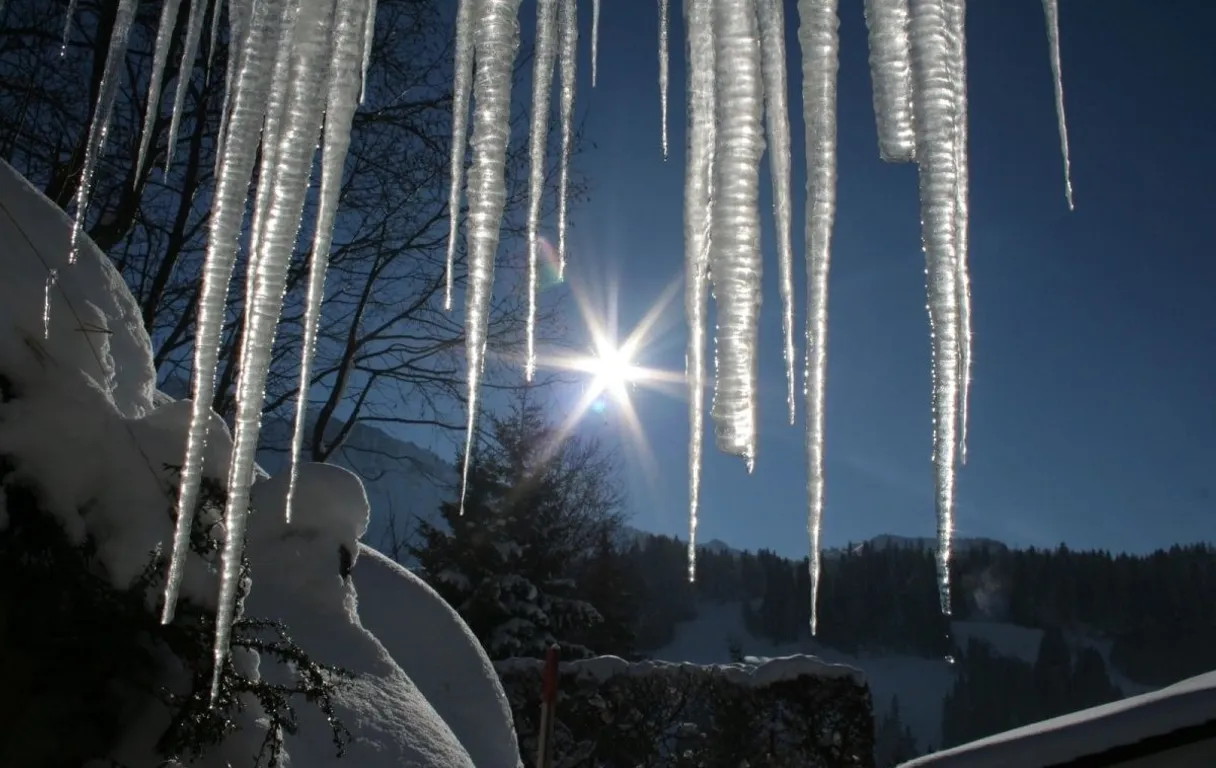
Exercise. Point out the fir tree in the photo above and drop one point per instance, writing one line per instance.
(535, 508)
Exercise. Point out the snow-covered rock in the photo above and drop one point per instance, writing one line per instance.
(298, 579)
(434, 646)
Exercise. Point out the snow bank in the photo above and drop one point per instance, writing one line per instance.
(95, 325)
(299, 580)
(1094, 731)
(82, 422)
(434, 646)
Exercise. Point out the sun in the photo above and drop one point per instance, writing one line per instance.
(612, 370)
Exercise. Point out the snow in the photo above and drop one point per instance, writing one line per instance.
(1079, 734)
(753, 671)
(446, 662)
(96, 329)
(298, 581)
(88, 427)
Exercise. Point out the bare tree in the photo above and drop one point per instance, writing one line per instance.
(388, 352)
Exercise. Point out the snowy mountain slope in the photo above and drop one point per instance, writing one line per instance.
(920, 683)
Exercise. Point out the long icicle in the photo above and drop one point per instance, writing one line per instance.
(956, 20)
(311, 55)
(663, 61)
(496, 38)
(239, 18)
(462, 84)
(595, 41)
(698, 177)
(818, 34)
(99, 127)
(1051, 9)
(538, 139)
(194, 30)
(227, 212)
(934, 104)
(345, 78)
(160, 56)
(735, 260)
(567, 53)
(217, 9)
(891, 78)
(777, 118)
(369, 39)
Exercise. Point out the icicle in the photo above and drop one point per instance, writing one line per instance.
(819, 37)
(542, 85)
(194, 29)
(772, 50)
(735, 261)
(369, 37)
(52, 277)
(99, 128)
(567, 51)
(340, 108)
(67, 26)
(698, 178)
(160, 55)
(891, 74)
(239, 13)
(462, 83)
(276, 114)
(216, 10)
(496, 37)
(311, 54)
(1051, 9)
(249, 99)
(663, 57)
(956, 17)
(595, 40)
(934, 105)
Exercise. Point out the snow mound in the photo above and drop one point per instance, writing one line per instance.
(329, 503)
(434, 646)
(298, 579)
(95, 325)
(1092, 732)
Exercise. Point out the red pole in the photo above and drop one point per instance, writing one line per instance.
(548, 709)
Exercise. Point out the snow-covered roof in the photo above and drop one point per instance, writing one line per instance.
(1183, 713)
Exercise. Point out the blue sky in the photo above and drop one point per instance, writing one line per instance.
(1094, 399)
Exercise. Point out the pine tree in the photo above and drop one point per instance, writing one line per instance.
(536, 507)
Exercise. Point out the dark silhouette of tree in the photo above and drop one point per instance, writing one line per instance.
(536, 508)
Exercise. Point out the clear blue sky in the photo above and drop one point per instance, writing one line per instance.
(1094, 399)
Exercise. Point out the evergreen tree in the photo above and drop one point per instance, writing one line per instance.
(536, 507)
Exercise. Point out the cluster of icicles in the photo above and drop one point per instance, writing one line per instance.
(295, 78)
